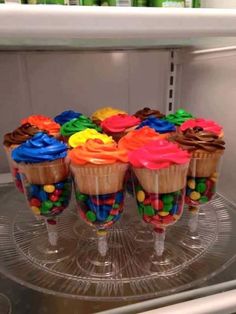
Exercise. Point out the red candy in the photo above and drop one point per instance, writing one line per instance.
(168, 219)
(147, 201)
(57, 192)
(114, 212)
(35, 202)
(99, 202)
(54, 197)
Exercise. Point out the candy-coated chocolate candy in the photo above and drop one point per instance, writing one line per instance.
(52, 221)
(156, 217)
(46, 206)
(193, 208)
(201, 187)
(91, 216)
(57, 192)
(168, 219)
(109, 218)
(116, 218)
(43, 195)
(81, 197)
(140, 209)
(35, 202)
(105, 208)
(157, 204)
(138, 188)
(59, 185)
(57, 204)
(214, 177)
(167, 207)
(114, 212)
(167, 198)
(195, 196)
(148, 210)
(203, 199)
(203, 180)
(191, 184)
(163, 214)
(61, 199)
(65, 193)
(35, 210)
(119, 197)
(174, 210)
(140, 196)
(147, 201)
(102, 215)
(53, 198)
(116, 206)
(105, 196)
(188, 191)
(49, 188)
(18, 176)
(34, 190)
(147, 218)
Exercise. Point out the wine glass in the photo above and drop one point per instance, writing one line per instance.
(100, 193)
(47, 188)
(14, 170)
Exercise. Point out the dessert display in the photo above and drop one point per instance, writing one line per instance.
(161, 171)
(146, 112)
(47, 185)
(66, 116)
(44, 123)
(101, 114)
(179, 117)
(13, 140)
(119, 125)
(206, 125)
(160, 126)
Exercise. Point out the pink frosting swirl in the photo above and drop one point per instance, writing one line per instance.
(158, 154)
(207, 125)
(119, 123)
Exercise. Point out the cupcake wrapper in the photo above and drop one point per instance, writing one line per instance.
(166, 180)
(8, 151)
(98, 180)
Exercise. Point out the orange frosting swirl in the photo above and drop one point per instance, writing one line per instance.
(43, 123)
(97, 153)
(137, 138)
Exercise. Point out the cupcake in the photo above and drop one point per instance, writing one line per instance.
(179, 117)
(76, 125)
(119, 125)
(146, 112)
(99, 172)
(66, 116)
(82, 137)
(206, 125)
(160, 126)
(13, 140)
(44, 123)
(103, 113)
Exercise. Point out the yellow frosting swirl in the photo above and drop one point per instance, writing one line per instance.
(82, 137)
(105, 112)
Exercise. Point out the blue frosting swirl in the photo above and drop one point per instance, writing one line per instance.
(66, 116)
(160, 126)
(40, 148)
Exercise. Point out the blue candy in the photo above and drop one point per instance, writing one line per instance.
(42, 195)
(105, 196)
(91, 205)
(117, 217)
(106, 207)
(119, 197)
(102, 215)
(188, 191)
(174, 209)
(34, 190)
(59, 185)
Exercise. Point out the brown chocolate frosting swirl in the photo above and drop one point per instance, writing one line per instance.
(196, 138)
(147, 112)
(20, 135)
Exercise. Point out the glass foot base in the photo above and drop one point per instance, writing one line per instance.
(91, 262)
(192, 240)
(170, 262)
(33, 226)
(5, 305)
(41, 251)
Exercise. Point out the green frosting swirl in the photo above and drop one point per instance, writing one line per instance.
(76, 125)
(179, 117)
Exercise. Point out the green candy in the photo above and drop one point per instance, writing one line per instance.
(57, 204)
(201, 180)
(148, 210)
(81, 197)
(116, 206)
(109, 218)
(46, 206)
(167, 207)
(140, 209)
(61, 199)
(203, 199)
(167, 199)
(138, 188)
(91, 216)
(177, 193)
(201, 187)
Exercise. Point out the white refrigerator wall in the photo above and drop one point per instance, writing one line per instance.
(50, 82)
(208, 89)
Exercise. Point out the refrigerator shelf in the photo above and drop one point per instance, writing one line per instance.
(190, 268)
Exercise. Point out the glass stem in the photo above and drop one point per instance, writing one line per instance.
(102, 242)
(52, 231)
(159, 241)
(193, 219)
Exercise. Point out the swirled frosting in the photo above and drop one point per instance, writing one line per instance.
(158, 154)
(196, 138)
(39, 148)
(66, 116)
(119, 123)
(43, 123)
(179, 117)
(138, 138)
(20, 135)
(160, 126)
(82, 137)
(147, 112)
(106, 112)
(207, 125)
(76, 125)
(98, 153)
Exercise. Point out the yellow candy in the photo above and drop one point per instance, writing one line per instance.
(163, 214)
(195, 196)
(101, 232)
(35, 210)
(176, 217)
(191, 184)
(105, 112)
(193, 209)
(49, 188)
(140, 196)
(214, 177)
(82, 136)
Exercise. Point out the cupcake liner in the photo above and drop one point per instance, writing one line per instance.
(8, 150)
(99, 179)
(45, 172)
(165, 180)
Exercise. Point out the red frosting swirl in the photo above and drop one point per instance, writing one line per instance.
(207, 125)
(158, 154)
(119, 123)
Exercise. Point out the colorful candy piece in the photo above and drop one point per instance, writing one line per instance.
(49, 188)
(191, 184)
(195, 196)
(140, 196)
(91, 216)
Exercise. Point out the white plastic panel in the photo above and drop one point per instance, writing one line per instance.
(208, 90)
